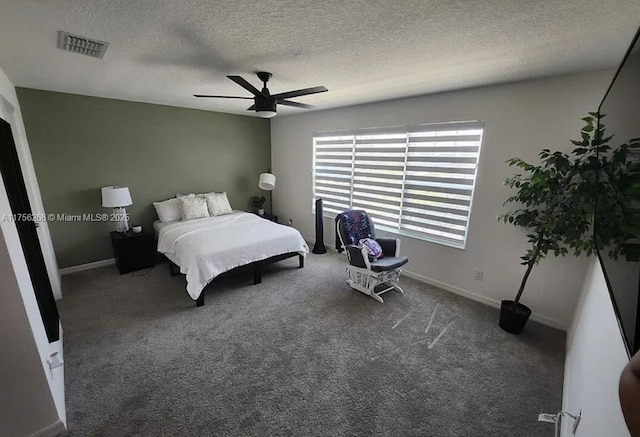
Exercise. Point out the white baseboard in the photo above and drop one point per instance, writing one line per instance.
(482, 299)
(88, 266)
(53, 430)
(466, 293)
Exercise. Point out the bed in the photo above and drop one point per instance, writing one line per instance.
(204, 248)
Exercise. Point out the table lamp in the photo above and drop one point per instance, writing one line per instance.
(117, 198)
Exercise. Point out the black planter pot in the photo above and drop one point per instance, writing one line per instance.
(513, 319)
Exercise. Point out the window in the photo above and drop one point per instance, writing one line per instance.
(412, 180)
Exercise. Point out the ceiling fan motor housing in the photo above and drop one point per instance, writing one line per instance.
(265, 103)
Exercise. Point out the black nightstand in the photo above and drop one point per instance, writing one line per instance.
(273, 218)
(133, 251)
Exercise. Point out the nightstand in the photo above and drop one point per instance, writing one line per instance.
(273, 218)
(133, 251)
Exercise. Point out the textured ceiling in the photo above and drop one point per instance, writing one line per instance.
(163, 51)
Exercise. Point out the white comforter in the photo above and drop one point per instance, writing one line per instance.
(205, 248)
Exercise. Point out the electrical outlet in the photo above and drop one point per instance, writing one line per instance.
(478, 275)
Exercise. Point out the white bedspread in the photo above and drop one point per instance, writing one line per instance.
(205, 248)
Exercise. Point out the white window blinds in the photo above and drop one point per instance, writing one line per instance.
(414, 180)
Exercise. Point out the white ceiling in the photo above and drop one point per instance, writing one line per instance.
(163, 51)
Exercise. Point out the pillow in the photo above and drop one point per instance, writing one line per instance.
(168, 210)
(203, 195)
(218, 204)
(193, 208)
(206, 194)
(372, 246)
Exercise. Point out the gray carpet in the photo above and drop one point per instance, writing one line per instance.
(299, 355)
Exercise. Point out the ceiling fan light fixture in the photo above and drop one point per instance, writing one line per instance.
(266, 113)
(265, 103)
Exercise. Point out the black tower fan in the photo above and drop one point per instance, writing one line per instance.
(319, 246)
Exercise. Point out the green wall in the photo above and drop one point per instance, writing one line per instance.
(80, 144)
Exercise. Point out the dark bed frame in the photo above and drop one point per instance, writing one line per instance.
(256, 266)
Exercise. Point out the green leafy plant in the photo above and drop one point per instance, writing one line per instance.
(555, 200)
(543, 195)
(257, 202)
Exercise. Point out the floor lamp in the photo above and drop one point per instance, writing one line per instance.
(268, 183)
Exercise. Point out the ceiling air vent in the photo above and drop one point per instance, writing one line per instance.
(81, 45)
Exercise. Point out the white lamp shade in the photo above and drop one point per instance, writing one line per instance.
(267, 182)
(266, 114)
(116, 197)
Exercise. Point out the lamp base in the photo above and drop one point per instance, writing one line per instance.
(120, 217)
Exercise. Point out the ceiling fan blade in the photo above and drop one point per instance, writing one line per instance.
(246, 85)
(302, 92)
(223, 97)
(295, 104)
(251, 108)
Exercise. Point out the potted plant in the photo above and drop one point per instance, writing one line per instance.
(258, 204)
(553, 203)
(556, 202)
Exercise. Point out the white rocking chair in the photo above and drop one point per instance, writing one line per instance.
(365, 274)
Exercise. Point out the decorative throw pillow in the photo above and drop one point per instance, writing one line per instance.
(193, 208)
(218, 204)
(168, 210)
(372, 246)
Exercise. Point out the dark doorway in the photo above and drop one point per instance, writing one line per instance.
(20, 207)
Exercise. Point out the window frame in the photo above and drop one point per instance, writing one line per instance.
(458, 126)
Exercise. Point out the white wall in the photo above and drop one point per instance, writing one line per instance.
(595, 358)
(520, 119)
(10, 111)
(26, 404)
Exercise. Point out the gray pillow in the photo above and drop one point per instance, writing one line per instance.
(193, 207)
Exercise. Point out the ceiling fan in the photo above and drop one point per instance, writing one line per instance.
(265, 103)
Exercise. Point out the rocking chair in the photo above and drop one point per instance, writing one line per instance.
(366, 273)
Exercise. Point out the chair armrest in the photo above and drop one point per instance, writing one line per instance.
(358, 256)
(390, 246)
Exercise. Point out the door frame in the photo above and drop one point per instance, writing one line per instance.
(55, 377)
(9, 114)
(19, 203)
